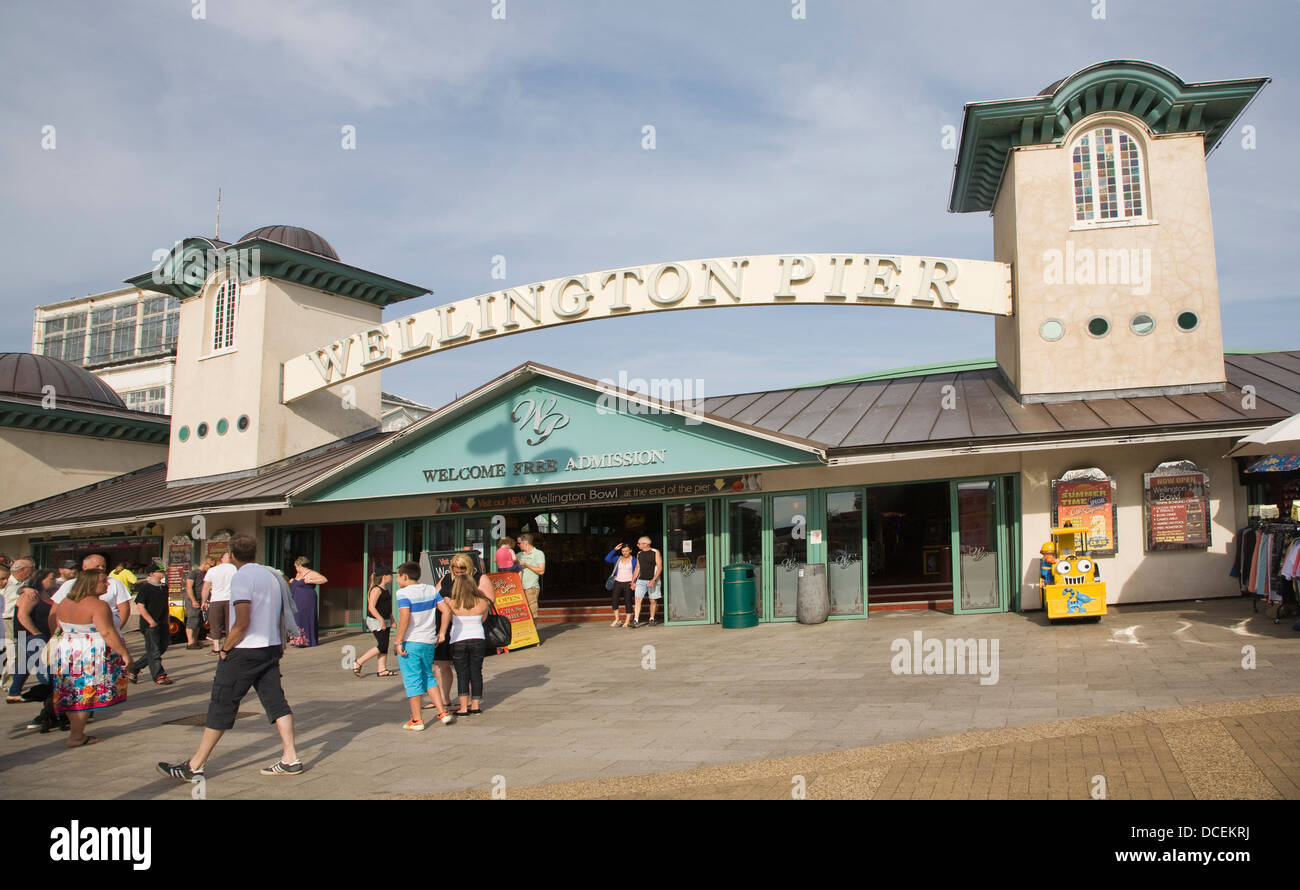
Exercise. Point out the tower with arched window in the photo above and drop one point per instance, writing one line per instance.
(246, 307)
(1098, 191)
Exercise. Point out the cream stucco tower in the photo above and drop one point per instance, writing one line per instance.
(1101, 205)
(247, 307)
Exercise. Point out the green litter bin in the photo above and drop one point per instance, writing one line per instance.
(739, 595)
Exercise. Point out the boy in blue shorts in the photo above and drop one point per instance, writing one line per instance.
(416, 638)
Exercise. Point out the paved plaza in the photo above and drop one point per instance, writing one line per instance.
(1157, 700)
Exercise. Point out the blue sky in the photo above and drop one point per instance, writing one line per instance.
(521, 137)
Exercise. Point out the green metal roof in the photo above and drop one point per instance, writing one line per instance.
(187, 267)
(1156, 95)
(974, 364)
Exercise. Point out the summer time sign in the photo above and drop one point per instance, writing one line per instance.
(821, 279)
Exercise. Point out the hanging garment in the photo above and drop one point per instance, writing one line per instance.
(1254, 564)
(1291, 562)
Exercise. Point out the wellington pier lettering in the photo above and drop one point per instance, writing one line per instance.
(771, 280)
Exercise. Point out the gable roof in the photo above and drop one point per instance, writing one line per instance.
(512, 379)
(905, 409)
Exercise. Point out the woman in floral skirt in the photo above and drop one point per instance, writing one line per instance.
(90, 664)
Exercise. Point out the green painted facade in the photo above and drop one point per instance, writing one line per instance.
(555, 434)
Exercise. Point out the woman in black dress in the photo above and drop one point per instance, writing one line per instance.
(379, 612)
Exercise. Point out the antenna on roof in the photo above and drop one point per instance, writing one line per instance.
(217, 235)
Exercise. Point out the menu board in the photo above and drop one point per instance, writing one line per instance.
(178, 566)
(216, 547)
(1176, 504)
(511, 602)
(1088, 504)
(436, 564)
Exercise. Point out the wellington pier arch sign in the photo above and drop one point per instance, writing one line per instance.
(825, 279)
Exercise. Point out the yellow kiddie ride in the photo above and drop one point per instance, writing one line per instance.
(1070, 579)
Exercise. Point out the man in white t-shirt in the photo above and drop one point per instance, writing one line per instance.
(250, 659)
(117, 596)
(216, 599)
(418, 636)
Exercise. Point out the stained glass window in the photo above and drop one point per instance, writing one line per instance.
(1107, 170)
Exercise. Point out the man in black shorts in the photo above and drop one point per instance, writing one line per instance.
(250, 659)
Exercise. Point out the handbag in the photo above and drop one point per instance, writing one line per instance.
(497, 631)
(609, 582)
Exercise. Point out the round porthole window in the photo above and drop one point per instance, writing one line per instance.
(242, 423)
(1142, 324)
(184, 434)
(1188, 321)
(223, 426)
(1098, 326)
(202, 429)
(1051, 330)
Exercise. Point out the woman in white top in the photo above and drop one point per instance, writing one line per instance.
(468, 645)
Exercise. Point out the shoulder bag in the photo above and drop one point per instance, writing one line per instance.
(497, 631)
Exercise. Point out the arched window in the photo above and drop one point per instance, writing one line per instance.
(225, 308)
(1107, 177)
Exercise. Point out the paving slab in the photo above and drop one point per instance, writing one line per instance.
(582, 708)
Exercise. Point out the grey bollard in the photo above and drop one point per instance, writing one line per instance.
(813, 602)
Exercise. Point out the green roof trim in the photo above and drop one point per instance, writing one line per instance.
(1154, 94)
(19, 414)
(183, 272)
(974, 364)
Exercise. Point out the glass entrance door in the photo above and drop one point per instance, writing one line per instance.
(789, 551)
(745, 539)
(686, 565)
(979, 546)
(844, 514)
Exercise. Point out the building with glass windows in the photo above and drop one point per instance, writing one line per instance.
(1109, 402)
(126, 337)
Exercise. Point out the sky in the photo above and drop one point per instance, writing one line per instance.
(514, 128)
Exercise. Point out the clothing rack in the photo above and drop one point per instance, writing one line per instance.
(1290, 599)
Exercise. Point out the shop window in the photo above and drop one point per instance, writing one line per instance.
(1107, 177)
(224, 311)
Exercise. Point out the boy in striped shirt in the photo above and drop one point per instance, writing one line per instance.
(416, 638)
